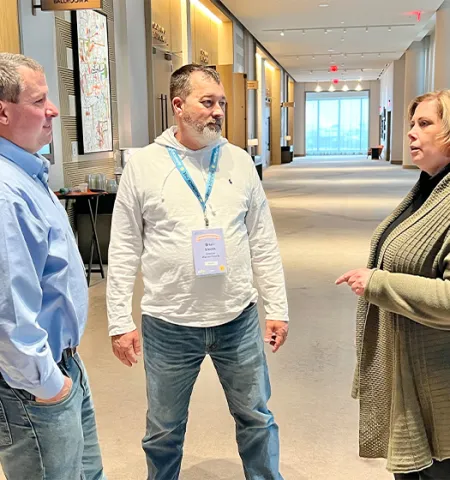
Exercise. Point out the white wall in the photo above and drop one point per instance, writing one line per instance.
(430, 53)
(398, 111)
(392, 98)
(387, 88)
(38, 39)
(374, 113)
(130, 41)
(300, 103)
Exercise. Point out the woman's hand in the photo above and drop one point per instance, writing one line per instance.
(356, 279)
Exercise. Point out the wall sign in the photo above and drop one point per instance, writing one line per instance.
(252, 84)
(159, 33)
(204, 57)
(52, 5)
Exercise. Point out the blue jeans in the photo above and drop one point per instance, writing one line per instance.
(50, 442)
(173, 355)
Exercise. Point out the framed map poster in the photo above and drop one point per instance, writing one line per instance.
(92, 81)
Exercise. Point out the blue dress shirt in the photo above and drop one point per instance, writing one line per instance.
(43, 290)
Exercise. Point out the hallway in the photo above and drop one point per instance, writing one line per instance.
(324, 211)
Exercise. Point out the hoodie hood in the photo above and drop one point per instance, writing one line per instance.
(167, 139)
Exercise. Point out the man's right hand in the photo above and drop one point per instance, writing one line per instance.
(127, 347)
(64, 392)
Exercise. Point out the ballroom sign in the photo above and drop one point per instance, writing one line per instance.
(52, 5)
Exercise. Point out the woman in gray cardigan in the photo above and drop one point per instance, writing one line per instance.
(402, 377)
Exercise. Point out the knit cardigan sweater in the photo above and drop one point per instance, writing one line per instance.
(402, 379)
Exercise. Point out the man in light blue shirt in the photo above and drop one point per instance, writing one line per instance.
(47, 422)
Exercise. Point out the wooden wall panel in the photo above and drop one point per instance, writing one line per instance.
(291, 111)
(276, 117)
(9, 26)
(235, 86)
(205, 36)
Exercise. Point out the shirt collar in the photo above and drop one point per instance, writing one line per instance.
(35, 165)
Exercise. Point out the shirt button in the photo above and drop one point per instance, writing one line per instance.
(34, 175)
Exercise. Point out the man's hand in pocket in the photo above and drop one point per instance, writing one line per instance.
(64, 392)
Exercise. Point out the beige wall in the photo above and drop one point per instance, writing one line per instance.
(275, 116)
(9, 26)
(205, 36)
(167, 14)
(225, 45)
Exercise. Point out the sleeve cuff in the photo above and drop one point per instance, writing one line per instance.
(374, 285)
(122, 329)
(51, 387)
(277, 318)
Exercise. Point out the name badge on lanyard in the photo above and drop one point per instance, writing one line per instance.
(208, 245)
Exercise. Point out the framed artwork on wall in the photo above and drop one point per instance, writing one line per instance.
(92, 81)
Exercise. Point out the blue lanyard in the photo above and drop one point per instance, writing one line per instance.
(188, 179)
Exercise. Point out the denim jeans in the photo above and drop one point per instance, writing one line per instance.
(173, 355)
(50, 442)
(437, 471)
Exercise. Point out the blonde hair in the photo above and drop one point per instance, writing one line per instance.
(442, 98)
(10, 79)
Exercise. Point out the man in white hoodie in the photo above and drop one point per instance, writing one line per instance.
(191, 211)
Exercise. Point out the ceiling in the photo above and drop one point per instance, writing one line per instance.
(363, 36)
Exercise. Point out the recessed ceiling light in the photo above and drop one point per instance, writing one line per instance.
(323, 5)
(282, 33)
(342, 23)
(331, 49)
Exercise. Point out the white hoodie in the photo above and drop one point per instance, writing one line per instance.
(154, 216)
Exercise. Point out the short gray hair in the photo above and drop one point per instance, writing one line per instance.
(10, 79)
(180, 81)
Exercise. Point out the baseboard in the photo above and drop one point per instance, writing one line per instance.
(299, 154)
(411, 167)
(397, 162)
